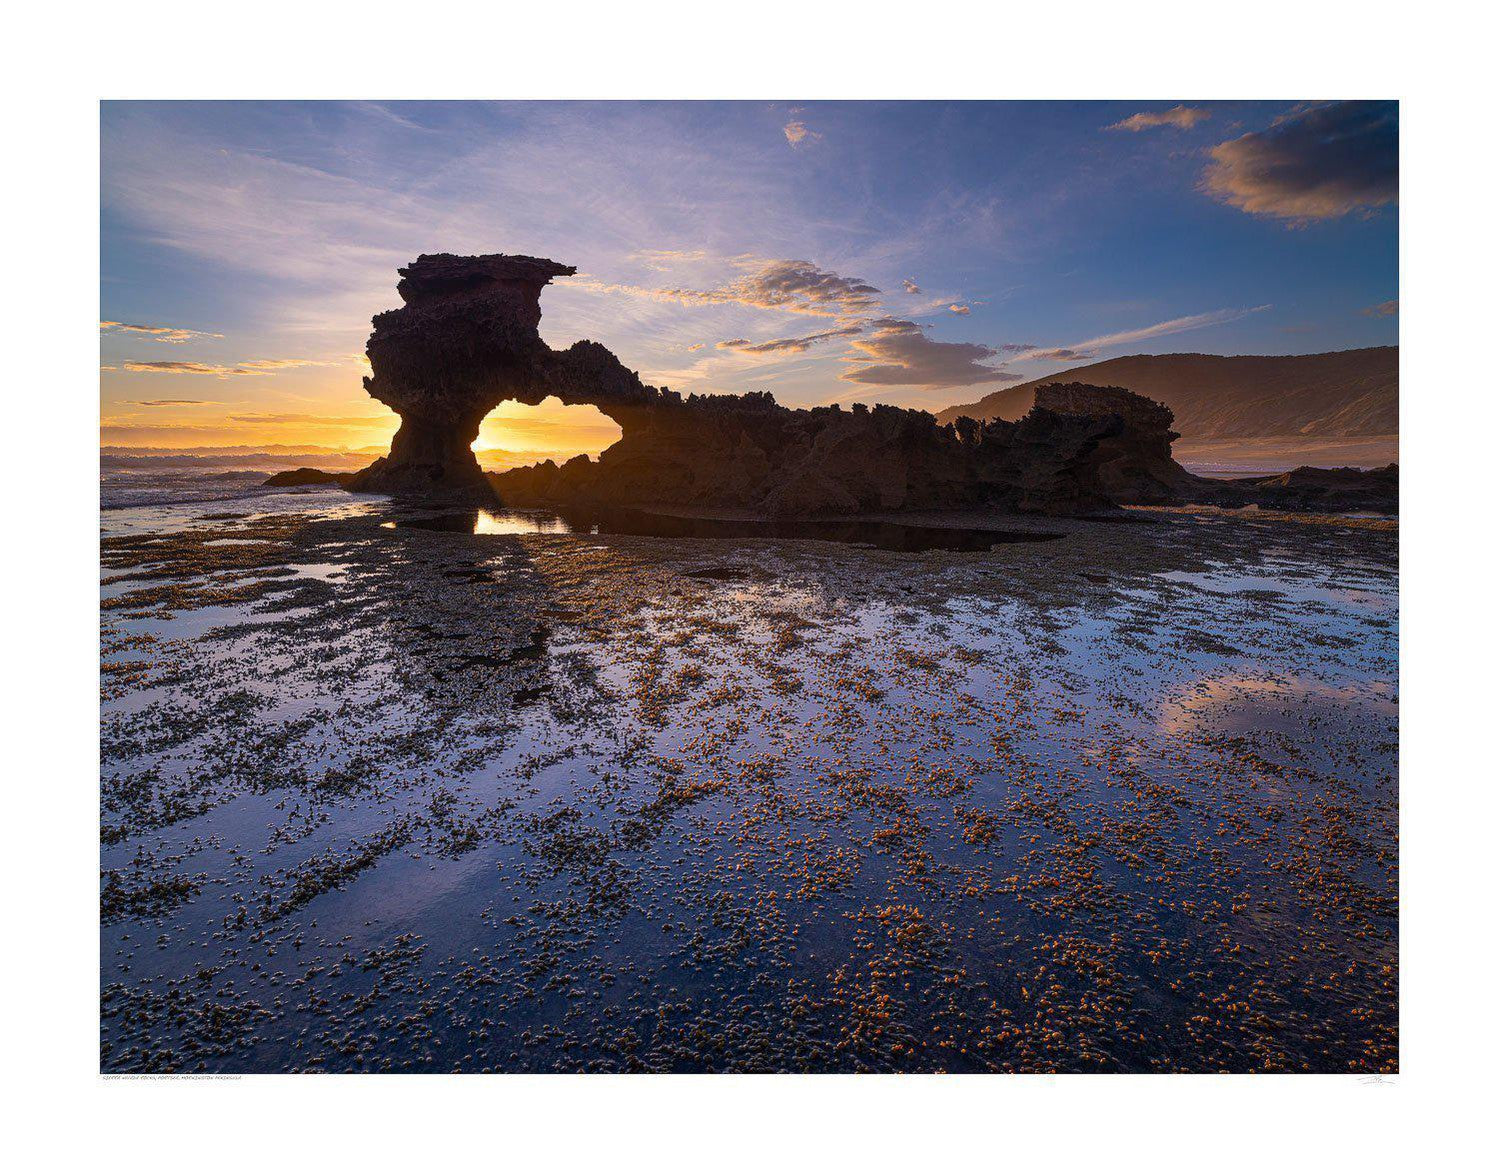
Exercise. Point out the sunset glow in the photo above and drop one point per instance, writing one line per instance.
(920, 254)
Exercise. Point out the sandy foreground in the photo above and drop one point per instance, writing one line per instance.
(377, 797)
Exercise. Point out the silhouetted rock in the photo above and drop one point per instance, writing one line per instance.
(466, 340)
(748, 451)
(306, 476)
(1134, 465)
(1322, 490)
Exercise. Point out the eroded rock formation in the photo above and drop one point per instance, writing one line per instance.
(748, 451)
(1307, 489)
(467, 340)
(464, 342)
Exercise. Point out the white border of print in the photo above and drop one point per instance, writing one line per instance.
(65, 58)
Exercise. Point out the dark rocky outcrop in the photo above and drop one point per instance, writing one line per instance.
(748, 451)
(1316, 490)
(467, 340)
(464, 341)
(306, 476)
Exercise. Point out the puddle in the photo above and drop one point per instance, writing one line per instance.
(893, 536)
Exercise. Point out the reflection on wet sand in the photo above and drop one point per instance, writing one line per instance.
(379, 798)
(881, 535)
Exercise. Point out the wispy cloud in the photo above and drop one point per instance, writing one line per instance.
(1090, 348)
(1179, 117)
(168, 403)
(666, 258)
(220, 370)
(313, 419)
(1383, 310)
(788, 345)
(910, 286)
(287, 364)
(957, 309)
(173, 367)
(173, 334)
(1315, 163)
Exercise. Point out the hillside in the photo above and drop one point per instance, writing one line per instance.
(1230, 397)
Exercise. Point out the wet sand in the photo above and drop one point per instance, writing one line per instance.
(394, 798)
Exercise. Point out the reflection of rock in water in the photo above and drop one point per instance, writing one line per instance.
(466, 340)
(647, 524)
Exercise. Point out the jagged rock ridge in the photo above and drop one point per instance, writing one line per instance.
(467, 340)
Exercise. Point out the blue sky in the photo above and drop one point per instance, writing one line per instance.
(913, 253)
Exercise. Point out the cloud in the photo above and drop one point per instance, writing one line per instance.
(174, 367)
(797, 133)
(1062, 354)
(1090, 348)
(911, 286)
(797, 287)
(697, 346)
(904, 356)
(1315, 163)
(957, 309)
(1383, 310)
(1181, 117)
(322, 421)
(173, 334)
(286, 364)
(219, 370)
(788, 345)
(168, 403)
(665, 258)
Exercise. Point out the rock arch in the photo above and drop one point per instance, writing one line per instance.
(466, 339)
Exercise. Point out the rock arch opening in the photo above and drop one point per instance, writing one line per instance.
(517, 435)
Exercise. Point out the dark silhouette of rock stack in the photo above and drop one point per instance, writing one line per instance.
(466, 340)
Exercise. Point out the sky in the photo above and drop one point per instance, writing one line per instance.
(912, 253)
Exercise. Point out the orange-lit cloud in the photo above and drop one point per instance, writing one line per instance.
(175, 367)
(797, 133)
(1179, 117)
(173, 334)
(168, 403)
(218, 370)
(1315, 163)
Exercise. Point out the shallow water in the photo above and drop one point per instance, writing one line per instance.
(1125, 800)
(880, 535)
